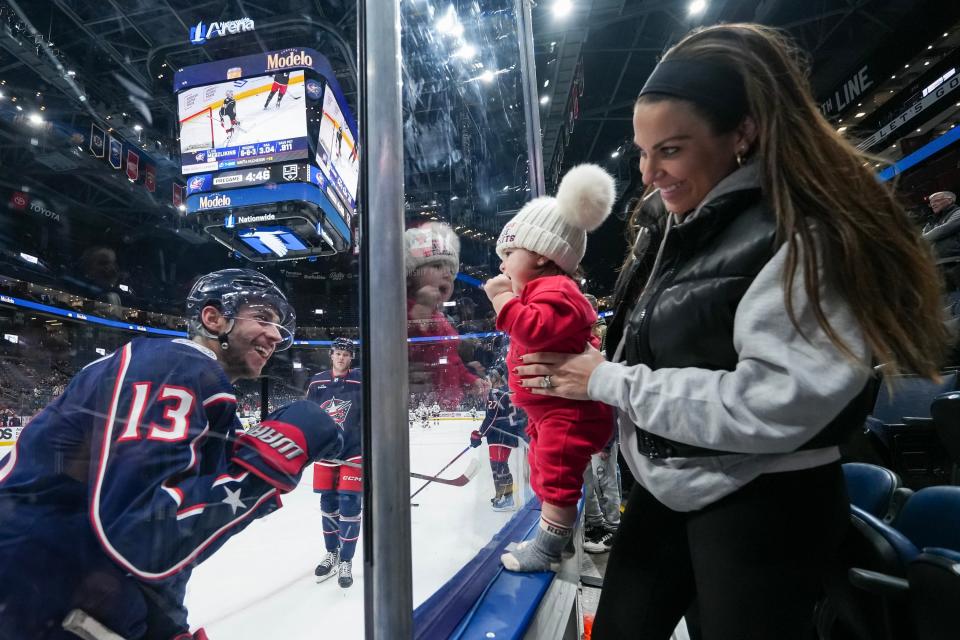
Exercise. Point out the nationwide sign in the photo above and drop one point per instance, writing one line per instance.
(201, 33)
(908, 114)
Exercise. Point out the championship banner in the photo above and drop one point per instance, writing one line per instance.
(150, 177)
(177, 195)
(133, 165)
(97, 138)
(116, 153)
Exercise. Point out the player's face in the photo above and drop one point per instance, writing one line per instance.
(252, 341)
(521, 266)
(340, 360)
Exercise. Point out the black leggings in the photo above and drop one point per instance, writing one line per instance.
(753, 561)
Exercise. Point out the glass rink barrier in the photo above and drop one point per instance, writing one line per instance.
(250, 382)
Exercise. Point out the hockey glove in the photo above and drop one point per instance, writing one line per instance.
(475, 439)
(281, 446)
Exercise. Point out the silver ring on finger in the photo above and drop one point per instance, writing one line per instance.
(547, 383)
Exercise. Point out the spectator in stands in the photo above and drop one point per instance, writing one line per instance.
(784, 272)
(98, 278)
(943, 233)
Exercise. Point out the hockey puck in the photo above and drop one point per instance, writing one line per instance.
(414, 504)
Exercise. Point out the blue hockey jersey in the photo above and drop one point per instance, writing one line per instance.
(341, 398)
(503, 422)
(136, 473)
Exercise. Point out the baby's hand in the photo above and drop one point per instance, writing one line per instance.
(495, 286)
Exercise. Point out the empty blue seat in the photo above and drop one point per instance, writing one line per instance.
(901, 422)
(871, 487)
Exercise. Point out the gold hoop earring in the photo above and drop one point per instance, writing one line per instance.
(739, 158)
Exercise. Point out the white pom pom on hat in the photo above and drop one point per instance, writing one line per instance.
(556, 228)
(585, 196)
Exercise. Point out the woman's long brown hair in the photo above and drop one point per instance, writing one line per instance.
(828, 201)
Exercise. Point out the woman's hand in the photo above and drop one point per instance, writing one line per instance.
(569, 373)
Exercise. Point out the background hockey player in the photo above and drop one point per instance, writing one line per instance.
(501, 426)
(338, 392)
(279, 87)
(139, 470)
(229, 111)
(423, 416)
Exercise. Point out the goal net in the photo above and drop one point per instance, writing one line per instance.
(196, 131)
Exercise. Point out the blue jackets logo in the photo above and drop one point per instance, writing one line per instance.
(214, 202)
(200, 34)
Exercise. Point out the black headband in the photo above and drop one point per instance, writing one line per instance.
(715, 87)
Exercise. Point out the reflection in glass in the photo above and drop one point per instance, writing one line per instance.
(130, 422)
(465, 162)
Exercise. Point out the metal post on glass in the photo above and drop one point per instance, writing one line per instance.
(387, 560)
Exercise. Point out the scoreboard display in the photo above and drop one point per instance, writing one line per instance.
(269, 154)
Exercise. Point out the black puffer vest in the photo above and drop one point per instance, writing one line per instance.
(685, 316)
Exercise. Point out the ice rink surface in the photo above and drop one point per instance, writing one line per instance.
(261, 583)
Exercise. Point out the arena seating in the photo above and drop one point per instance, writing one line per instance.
(880, 602)
(903, 430)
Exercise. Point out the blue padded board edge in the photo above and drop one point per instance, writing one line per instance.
(455, 603)
(510, 601)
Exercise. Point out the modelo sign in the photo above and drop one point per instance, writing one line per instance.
(214, 202)
(292, 59)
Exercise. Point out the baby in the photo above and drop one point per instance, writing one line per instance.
(542, 309)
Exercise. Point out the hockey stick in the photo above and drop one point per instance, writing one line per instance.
(459, 481)
(434, 479)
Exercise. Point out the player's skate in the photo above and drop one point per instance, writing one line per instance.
(503, 503)
(325, 569)
(346, 574)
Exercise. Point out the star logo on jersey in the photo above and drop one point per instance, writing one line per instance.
(233, 499)
(337, 409)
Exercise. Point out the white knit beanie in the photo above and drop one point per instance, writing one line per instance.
(556, 228)
(431, 242)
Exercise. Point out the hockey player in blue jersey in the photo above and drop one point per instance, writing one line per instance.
(338, 392)
(140, 470)
(502, 426)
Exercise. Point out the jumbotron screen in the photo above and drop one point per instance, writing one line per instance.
(243, 122)
(337, 154)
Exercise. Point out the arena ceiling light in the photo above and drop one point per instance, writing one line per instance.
(449, 23)
(35, 119)
(696, 7)
(465, 52)
(562, 8)
(544, 99)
